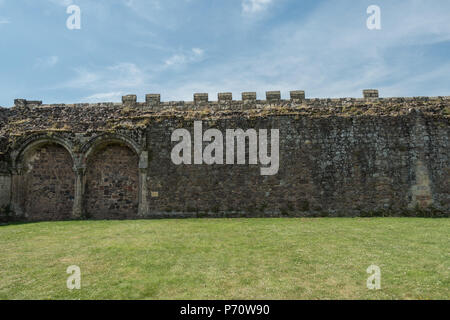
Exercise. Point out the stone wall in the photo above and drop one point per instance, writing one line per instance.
(5, 190)
(112, 182)
(335, 165)
(341, 157)
(48, 183)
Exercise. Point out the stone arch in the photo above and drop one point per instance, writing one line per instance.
(45, 181)
(35, 141)
(111, 177)
(101, 140)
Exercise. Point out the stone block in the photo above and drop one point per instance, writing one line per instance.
(153, 99)
(370, 93)
(200, 97)
(248, 96)
(225, 96)
(297, 95)
(273, 95)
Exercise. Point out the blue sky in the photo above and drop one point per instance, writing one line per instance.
(178, 47)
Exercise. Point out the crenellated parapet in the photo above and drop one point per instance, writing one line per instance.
(248, 100)
(132, 115)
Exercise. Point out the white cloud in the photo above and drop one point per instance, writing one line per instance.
(164, 14)
(198, 52)
(124, 75)
(104, 97)
(83, 79)
(111, 78)
(63, 3)
(4, 21)
(439, 78)
(253, 6)
(108, 83)
(176, 59)
(46, 62)
(194, 55)
(331, 53)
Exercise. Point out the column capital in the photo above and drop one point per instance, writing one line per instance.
(79, 169)
(18, 170)
(143, 160)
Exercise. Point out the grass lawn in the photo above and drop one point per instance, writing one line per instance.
(320, 258)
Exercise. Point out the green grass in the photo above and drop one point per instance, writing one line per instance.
(321, 258)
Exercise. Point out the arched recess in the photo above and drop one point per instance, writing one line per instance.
(104, 139)
(44, 183)
(35, 141)
(111, 188)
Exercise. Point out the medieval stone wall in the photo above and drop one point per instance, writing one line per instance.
(338, 157)
(112, 182)
(48, 183)
(334, 165)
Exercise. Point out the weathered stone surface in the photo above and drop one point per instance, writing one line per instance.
(5, 190)
(248, 96)
(153, 99)
(225, 96)
(341, 156)
(129, 100)
(200, 97)
(47, 183)
(273, 95)
(370, 93)
(297, 95)
(112, 183)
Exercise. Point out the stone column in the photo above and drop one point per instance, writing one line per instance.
(17, 192)
(421, 191)
(143, 188)
(77, 212)
(5, 189)
(5, 194)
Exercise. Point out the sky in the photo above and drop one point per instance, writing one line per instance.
(180, 47)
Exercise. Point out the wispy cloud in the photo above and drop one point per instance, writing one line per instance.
(104, 97)
(107, 83)
(163, 14)
(254, 6)
(46, 62)
(83, 79)
(329, 54)
(4, 21)
(178, 47)
(64, 3)
(194, 55)
(124, 75)
(111, 78)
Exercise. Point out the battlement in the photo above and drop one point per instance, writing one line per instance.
(248, 101)
(30, 116)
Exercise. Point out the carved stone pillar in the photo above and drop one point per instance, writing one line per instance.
(143, 188)
(78, 212)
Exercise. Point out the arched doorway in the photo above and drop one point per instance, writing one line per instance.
(48, 182)
(112, 181)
